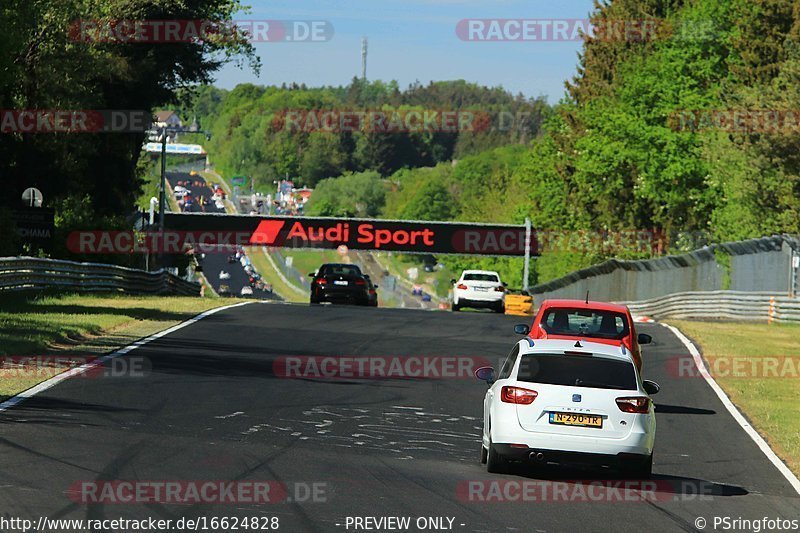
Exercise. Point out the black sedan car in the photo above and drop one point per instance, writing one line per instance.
(342, 283)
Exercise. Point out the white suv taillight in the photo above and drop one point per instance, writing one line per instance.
(518, 395)
(634, 404)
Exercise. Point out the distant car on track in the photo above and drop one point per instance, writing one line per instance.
(479, 289)
(600, 322)
(335, 282)
(568, 402)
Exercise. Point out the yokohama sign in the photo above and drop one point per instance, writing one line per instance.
(362, 234)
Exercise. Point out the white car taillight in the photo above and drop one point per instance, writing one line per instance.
(634, 404)
(518, 395)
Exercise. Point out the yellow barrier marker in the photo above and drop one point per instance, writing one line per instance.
(518, 304)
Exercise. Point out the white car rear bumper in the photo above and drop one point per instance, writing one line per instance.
(639, 441)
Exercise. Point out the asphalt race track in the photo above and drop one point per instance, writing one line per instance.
(215, 262)
(211, 408)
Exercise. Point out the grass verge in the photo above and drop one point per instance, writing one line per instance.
(77, 327)
(758, 366)
(263, 267)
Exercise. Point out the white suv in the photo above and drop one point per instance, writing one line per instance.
(564, 401)
(479, 288)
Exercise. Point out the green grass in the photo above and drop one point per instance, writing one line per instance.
(768, 399)
(437, 282)
(264, 268)
(307, 261)
(84, 325)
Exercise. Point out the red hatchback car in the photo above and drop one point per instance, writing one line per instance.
(596, 321)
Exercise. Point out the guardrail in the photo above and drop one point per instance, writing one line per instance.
(735, 305)
(31, 273)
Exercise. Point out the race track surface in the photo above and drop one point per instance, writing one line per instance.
(210, 407)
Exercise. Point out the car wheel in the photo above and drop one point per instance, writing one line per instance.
(495, 463)
(455, 307)
(639, 469)
(500, 308)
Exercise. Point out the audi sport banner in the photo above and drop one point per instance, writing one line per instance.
(356, 234)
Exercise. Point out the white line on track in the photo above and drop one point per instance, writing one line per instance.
(55, 380)
(737, 415)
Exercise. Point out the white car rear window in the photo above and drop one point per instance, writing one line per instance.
(577, 371)
(480, 277)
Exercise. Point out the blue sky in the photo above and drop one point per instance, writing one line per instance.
(413, 40)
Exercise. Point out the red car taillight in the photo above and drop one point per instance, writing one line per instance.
(361, 281)
(634, 404)
(518, 395)
(500, 289)
(462, 287)
(321, 281)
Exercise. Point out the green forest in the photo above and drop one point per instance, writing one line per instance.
(612, 155)
(619, 151)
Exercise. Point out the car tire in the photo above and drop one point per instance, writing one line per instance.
(455, 307)
(495, 463)
(500, 308)
(639, 469)
(484, 454)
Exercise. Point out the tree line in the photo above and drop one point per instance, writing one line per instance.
(93, 179)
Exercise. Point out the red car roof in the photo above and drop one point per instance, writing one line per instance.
(581, 304)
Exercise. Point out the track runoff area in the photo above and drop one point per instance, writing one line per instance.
(271, 416)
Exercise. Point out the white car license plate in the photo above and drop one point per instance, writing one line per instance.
(339, 282)
(481, 289)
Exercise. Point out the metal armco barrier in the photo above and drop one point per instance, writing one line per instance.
(518, 304)
(765, 265)
(31, 273)
(730, 305)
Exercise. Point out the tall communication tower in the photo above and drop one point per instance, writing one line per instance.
(364, 58)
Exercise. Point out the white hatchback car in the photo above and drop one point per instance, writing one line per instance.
(479, 288)
(564, 401)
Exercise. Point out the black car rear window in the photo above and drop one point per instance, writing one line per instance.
(577, 371)
(340, 270)
(585, 323)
